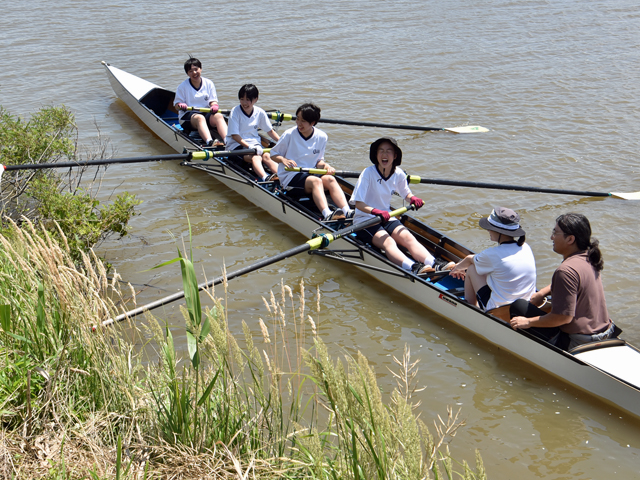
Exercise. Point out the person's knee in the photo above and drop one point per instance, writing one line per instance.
(315, 182)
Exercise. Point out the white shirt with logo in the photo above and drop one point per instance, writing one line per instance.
(186, 93)
(376, 191)
(305, 152)
(246, 126)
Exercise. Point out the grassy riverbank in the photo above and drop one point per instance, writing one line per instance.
(77, 403)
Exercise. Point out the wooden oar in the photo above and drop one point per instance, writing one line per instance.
(321, 241)
(279, 117)
(203, 155)
(495, 186)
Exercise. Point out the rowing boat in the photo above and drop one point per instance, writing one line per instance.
(608, 370)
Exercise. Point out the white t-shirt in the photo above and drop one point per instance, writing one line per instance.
(246, 126)
(510, 270)
(186, 93)
(376, 191)
(305, 152)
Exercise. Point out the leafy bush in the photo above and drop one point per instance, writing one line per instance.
(61, 203)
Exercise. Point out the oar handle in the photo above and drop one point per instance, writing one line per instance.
(310, 171)
(322, 241)
(207, 154)
(207, 110)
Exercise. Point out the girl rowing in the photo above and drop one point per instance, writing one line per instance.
(372, 196)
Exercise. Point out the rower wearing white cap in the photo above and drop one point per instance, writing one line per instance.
(502, 274)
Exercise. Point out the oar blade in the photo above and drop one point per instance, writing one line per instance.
(626, 196)
(467, 129)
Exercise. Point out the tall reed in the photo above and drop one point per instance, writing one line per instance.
(270, 403)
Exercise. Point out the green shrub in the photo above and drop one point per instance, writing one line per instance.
(59, 202)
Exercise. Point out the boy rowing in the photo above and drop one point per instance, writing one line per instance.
(303, 146)
(244, 121)
(198, 92)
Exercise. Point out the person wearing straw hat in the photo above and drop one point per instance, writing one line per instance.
(372, 197)
(502, 274)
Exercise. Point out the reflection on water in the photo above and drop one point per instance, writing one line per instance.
(554, 81)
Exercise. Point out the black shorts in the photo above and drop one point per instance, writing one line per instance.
(298, 182)
(366, 235)
(483, 295)
(185, 121)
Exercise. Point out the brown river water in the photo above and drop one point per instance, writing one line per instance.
(555, 82)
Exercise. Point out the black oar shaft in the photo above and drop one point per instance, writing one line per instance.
(201, 155)
(381, 125)
(496, 186)
(216, 281)
(103, 161)
(315, 243)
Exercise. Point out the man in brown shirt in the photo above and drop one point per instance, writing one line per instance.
(579, 308)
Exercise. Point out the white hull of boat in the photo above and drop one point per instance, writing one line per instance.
(612, 374)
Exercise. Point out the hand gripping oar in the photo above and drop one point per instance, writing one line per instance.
(280, 117)
(207, 110)
(321, 241)
(203, 155)
(495, 186)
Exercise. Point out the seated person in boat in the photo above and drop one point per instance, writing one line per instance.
(502, 274)
(578, 304)
(199, 92)
(303, 146)
(244, 121)
(372, 196)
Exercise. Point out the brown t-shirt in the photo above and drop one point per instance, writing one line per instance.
(576, 290)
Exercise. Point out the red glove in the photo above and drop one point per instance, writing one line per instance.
(383, 214)
(416, 202)
(183, 106)
(214, 108)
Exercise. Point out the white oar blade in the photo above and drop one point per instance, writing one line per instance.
(627, 196)
(467, 129)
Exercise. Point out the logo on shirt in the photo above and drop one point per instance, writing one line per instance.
(315, 151)
(206, 98)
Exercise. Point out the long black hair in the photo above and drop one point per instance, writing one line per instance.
(578, 225)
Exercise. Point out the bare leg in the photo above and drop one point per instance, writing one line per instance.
(314, 185)
(473, 282)
(256, 163)
(384, 241)
(337, 195)
(404, 238)
(270, 164)
(217, 121)
(199, 123)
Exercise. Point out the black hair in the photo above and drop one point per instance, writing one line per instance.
(521, 240)
(248, 90)
(578, 225)
(310, 112)
(190, 63)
